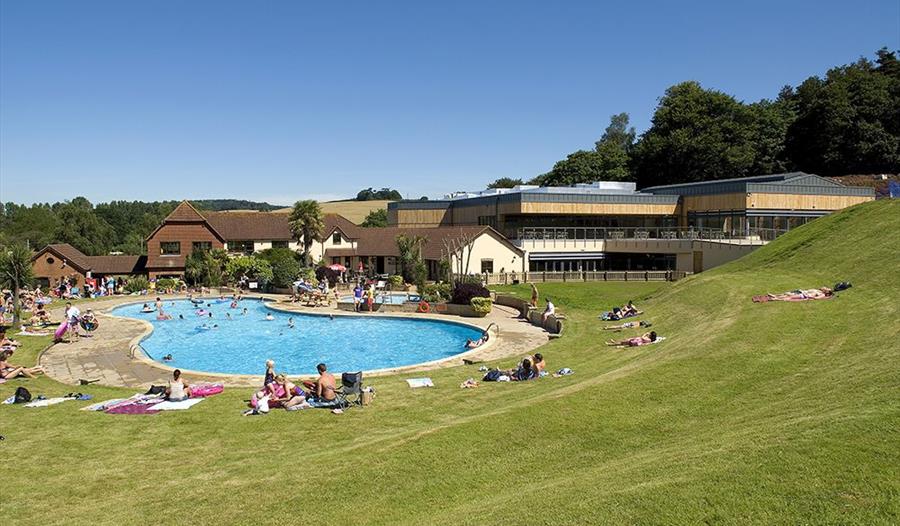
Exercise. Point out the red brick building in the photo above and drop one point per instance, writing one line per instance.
(62, 260)
(181, 232)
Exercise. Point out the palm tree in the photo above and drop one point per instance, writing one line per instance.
(15, 272)
(307, 224)
(409, 249)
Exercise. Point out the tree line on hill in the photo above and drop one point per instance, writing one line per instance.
(120, 226)
(847, 122)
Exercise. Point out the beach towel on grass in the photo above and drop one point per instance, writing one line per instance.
(46, 402)
(102, 406)
(177, 406)
(415, 383)
(132, 408)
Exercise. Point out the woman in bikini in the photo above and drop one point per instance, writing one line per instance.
(637, 341)
(9, 371)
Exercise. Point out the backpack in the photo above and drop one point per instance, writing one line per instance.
(492, 376)
(22, 396)
(156, 389)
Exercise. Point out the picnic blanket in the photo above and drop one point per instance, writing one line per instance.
(794, 295)
(177, 406)
(415, 383)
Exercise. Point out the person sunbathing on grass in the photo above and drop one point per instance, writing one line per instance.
(9, 371)
(289, 394)
(323, 388)
(627, 325)
(637, 341)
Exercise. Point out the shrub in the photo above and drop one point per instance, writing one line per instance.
(396, 282)
(436, 292)
(251, 266)
(137, 284)
(464, 292)
(285, 265)
(167, 283)
(481, 306)
(309, 274)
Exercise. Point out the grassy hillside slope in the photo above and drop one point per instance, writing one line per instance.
(749, 413)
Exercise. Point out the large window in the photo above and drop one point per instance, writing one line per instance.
(202, 246)
(336, 238)
(245, 247)
(487, 266)
(170, 248)
(279, 244)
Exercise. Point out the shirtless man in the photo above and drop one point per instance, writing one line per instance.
(325, 385)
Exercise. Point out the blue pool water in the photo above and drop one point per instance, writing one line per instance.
(242, 344)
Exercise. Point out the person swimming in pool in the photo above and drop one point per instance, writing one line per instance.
(291, 323)
(181, 316)
(269, 317)
(167, 358)
(244, 312)
(227, 315)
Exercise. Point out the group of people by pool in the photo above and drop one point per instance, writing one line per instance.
(531, 367)
(278, 391)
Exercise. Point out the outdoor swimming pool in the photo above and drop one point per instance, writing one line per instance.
(389, 298)
(241, 345)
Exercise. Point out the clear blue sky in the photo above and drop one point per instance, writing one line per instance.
(282, 100)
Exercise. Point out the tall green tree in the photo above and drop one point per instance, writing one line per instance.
(607, 162)
(376, 218)
(15, 273)
(206, 267)
(849, 121)
(81, 227)
(505, 182)
(307, 224)
(696, 135)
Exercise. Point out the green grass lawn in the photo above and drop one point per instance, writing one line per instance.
(780, 413)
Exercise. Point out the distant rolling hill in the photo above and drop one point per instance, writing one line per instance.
(355, 211)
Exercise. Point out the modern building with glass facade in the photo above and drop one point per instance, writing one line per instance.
(614, 226)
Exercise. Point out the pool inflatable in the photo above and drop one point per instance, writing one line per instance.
(201, 390)
(196, 301)
(60, 331)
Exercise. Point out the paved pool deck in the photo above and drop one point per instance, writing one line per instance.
(106, 355)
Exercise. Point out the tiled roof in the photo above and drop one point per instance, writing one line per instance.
(333, 221)
(70, 254)
(185, 211)
(96, 264)
(383, 241)
(117, 264)
(258, 226)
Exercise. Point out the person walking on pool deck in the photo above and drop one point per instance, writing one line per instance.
(357, 297)
(323, 388)
(177, 390)
(72, 315)
(370, 296)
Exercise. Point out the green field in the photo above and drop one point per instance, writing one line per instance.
(777, 413)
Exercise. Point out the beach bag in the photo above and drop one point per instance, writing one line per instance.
(366, 396)
(22, 396)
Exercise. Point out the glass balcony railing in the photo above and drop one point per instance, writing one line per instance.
(642, 233)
